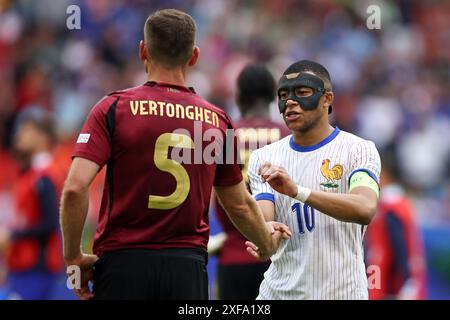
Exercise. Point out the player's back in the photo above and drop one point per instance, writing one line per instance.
(150, 200)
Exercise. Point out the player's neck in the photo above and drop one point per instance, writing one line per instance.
(259, 109)
(159, 74)
(313, 136)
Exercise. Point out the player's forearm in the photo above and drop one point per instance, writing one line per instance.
(249, 220)
(344, 207)
(245, 214)
(74, 208)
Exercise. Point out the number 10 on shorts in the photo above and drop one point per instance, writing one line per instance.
(305, 216)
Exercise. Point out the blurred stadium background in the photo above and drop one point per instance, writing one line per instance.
(392, 85)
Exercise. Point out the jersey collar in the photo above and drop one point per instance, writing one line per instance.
(325, 141)
(170, 85)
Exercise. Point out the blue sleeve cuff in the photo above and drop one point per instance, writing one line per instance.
(370, 173)
(265, 196)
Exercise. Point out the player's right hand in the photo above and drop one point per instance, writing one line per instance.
(278, 179)
(279, 232)
(85, 262)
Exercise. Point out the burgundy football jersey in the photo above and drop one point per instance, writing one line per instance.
(263, 131)
(150, 200)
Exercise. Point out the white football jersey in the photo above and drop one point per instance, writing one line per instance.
(324, 258)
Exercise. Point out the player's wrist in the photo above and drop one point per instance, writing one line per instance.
(73, 258)
(302, 194)
(292, 190)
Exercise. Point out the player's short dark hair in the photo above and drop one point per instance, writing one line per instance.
(41, 120)
(311, 66)
(255, 82)
(390, 162)
(170, 37)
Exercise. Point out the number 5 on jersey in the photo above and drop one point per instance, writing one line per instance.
(172, 167)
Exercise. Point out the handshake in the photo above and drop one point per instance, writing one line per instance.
(278, 232)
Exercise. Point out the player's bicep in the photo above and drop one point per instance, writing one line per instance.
(370, 196)
(365, 186)
(362, 180)
(81, 174)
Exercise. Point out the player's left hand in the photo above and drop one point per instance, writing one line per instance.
(85, 262)
(278, 179)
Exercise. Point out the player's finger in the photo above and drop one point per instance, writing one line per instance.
(87, 296)
(79, 294)
(277, 236)
(286, 234)
(270, 228)
(264, 166)
(85, 293)
(281, 235)
(251, 245)
(273, 176)
(266, 171)
(282, 228)
(253, 253)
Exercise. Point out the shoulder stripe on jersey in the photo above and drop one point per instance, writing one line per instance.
(265, 196)
(370, 173)
(325, 141)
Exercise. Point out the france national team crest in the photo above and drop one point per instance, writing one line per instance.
(332, 174)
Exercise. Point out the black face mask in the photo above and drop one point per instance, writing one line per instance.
(302, 80)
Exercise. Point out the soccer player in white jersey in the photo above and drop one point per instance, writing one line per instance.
(323, 183)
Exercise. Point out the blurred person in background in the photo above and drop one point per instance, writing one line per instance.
(239, 273)
(393, 241)
(33, 246)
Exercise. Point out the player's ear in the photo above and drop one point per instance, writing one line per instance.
(328, 99)
(194, 57)
(143, 55)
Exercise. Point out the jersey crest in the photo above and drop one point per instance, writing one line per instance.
(332, 175)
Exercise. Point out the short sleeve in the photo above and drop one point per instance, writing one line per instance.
(229, 172)
(365, 157)
(94, 142)
(260, 190)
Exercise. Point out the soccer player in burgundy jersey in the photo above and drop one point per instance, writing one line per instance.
(240, 274)
(153, 225)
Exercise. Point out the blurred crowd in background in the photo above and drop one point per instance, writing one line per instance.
(391, 85)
